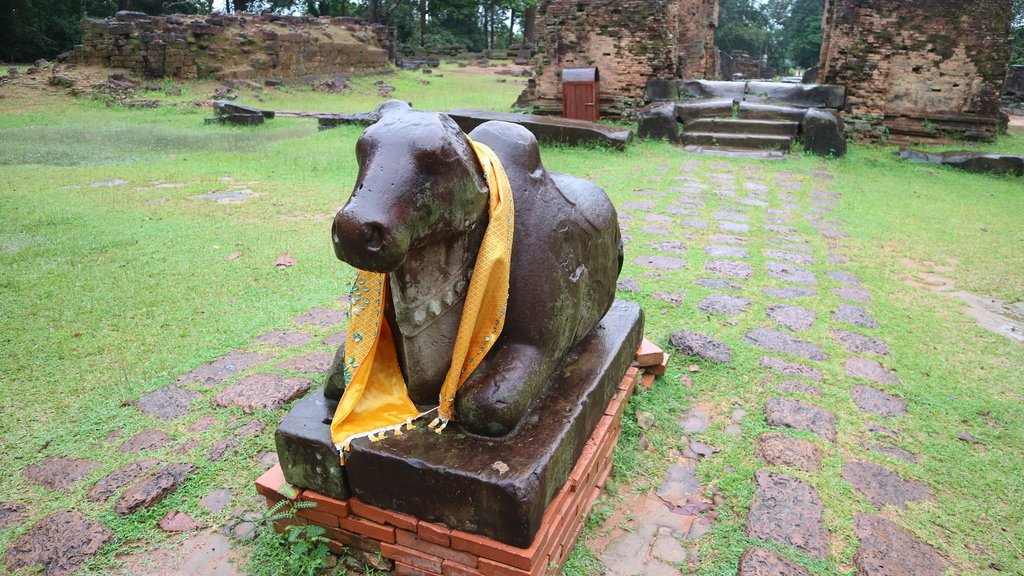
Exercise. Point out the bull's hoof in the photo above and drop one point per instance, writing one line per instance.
(480, 416)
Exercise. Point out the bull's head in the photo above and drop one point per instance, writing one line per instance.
(419, 182)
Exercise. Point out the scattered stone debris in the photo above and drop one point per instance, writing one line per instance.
(61, 542)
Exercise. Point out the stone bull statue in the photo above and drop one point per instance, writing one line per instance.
(418, 212)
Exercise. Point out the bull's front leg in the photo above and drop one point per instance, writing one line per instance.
(495, 398)
(335, 385)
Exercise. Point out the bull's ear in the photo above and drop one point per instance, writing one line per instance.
(392, 106)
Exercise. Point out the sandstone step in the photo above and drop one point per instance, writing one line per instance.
(744, 126)
(747, 141)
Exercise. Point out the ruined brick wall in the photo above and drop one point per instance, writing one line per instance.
(630, 41)
(739, 65)
(234, 47)
(918, 69)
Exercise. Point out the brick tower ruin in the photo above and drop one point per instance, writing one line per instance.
(629, 41)
(918, 69)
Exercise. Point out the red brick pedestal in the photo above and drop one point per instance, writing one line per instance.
(423, 548)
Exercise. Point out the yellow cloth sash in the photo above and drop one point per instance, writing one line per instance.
(376, 399)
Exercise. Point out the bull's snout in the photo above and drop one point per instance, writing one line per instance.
(366, 244)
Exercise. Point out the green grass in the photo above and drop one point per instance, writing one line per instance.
(110, 292)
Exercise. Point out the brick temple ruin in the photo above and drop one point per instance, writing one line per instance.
(629, 41)
(234, 47)
(918, 69)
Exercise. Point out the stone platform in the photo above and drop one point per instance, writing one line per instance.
(495, 487)
(419, 547)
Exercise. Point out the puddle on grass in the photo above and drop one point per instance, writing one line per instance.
(991, 314)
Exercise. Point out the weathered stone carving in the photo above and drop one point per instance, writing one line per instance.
(418, 212)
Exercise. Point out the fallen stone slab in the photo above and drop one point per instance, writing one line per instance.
(153, 489)
(777, 341)
(782, 450)
(761, 562)
(877, 402)
(800, 416)
(549, 129)
(883, 487)
(888, 550)
(227, 107)
(789, 511)
(823, 133)
(695, 344)
(58, 472)
(970, 161)
(104, 489)
(658, 122)
(61, 542)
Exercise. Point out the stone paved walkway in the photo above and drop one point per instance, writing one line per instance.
(752, 253)
(768, 250)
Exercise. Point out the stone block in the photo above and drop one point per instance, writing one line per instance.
(823, 133)
(658, 122)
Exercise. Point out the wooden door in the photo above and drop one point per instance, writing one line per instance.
(579, 101)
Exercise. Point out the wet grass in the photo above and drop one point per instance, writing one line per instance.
(110, 292)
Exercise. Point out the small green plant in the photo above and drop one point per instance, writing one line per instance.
(298, 551)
